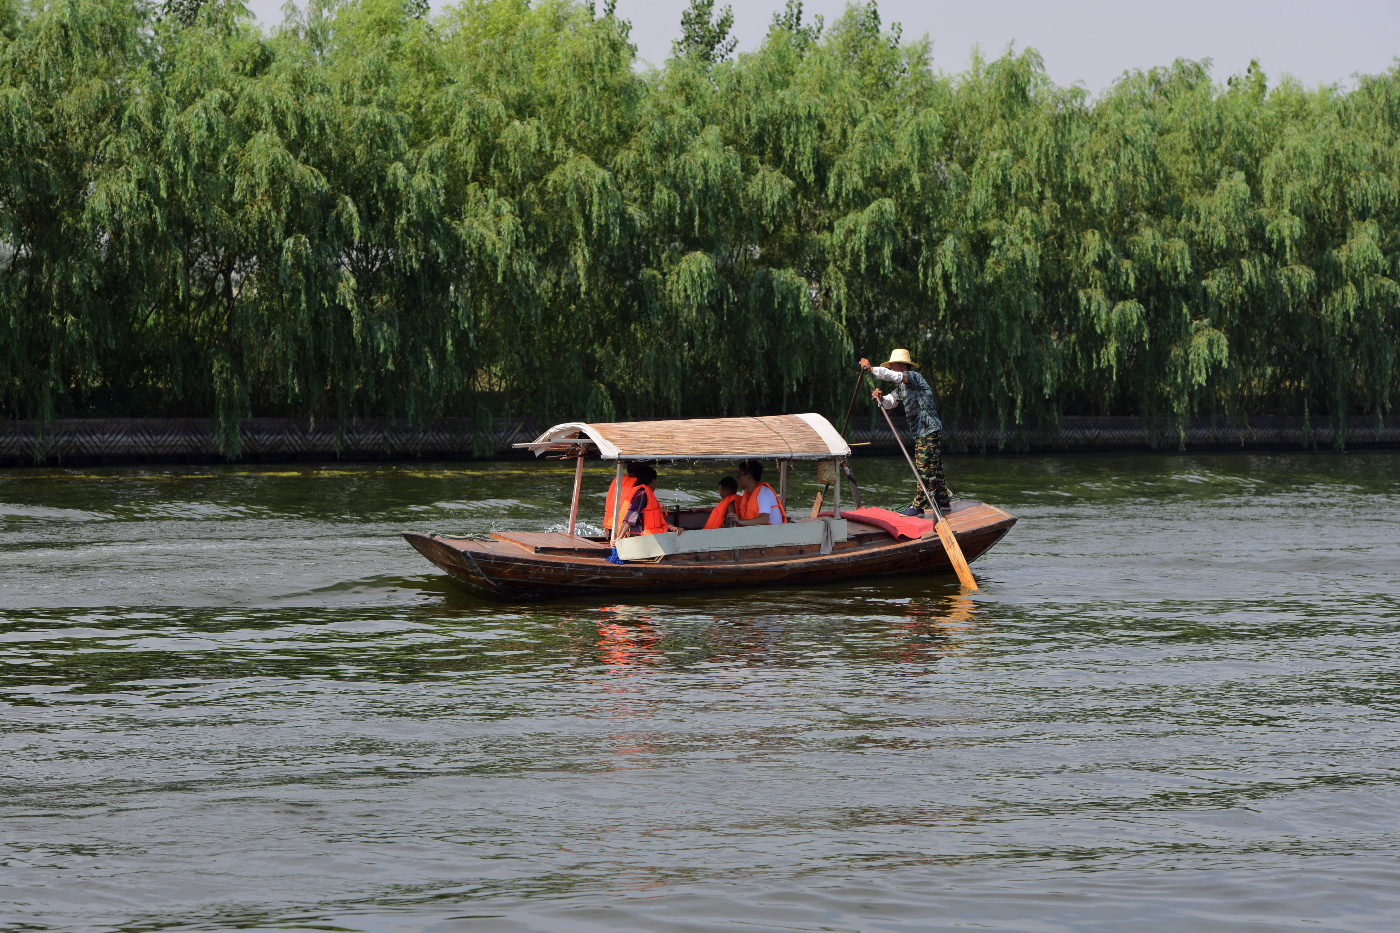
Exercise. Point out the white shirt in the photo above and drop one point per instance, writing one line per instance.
(768, 502)
(888, 375)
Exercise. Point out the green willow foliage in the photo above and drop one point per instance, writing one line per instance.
(375, 211)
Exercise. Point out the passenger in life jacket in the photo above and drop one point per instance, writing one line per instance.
(760, 504)
(629, 486)
(645, 516)
(728, 502)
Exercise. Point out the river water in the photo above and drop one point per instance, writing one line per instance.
(233, 698)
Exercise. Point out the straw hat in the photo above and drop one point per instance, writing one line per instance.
(900, 356)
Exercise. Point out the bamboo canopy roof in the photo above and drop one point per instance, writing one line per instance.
(780, 437)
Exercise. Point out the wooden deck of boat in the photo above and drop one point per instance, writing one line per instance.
(552, 542)
(543, 564)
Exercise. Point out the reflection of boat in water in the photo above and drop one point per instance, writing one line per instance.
(821, 549)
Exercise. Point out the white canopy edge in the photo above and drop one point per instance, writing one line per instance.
(559, 434)
(834, 441)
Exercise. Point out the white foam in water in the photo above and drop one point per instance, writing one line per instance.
(581, 529)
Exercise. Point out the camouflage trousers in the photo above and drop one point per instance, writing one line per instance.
(928, 460)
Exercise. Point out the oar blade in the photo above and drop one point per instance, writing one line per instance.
(955, 554)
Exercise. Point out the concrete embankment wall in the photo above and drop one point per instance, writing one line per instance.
(89, 441)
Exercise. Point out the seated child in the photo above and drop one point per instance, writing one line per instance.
(729, 497)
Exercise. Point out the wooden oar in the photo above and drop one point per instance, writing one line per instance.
(945, 531)
(821, 496)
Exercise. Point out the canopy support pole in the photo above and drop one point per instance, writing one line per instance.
(617, 505)
(782, 482)
(836, 506)
(578, 487)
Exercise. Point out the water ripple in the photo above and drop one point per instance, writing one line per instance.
(1171, 707)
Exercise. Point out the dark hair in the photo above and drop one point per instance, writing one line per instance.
(644, 474)
(633, 467)
(753, 468)
(729, 483)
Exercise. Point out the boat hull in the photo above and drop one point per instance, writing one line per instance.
(504, 569)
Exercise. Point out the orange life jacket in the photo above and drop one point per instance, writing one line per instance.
(629, 486)
(653, 515)
(716, 519)
(748, 503)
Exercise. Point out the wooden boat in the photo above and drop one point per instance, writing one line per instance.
(822, 549)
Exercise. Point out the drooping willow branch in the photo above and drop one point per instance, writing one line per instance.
(373, 211)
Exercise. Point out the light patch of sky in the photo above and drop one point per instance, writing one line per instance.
(1091, 42)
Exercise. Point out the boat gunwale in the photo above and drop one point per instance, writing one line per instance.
(454, 555)
(870, 539)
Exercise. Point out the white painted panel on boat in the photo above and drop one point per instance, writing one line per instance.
(650, 547)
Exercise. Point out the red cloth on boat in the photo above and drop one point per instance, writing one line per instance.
(901, 526)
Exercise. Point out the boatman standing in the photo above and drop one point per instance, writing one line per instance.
(921, 414)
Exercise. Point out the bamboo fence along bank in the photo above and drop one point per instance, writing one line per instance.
(86, 441)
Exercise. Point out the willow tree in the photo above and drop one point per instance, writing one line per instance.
(370, 210)
(67, 292)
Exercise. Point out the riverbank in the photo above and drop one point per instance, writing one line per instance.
(117, 441)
